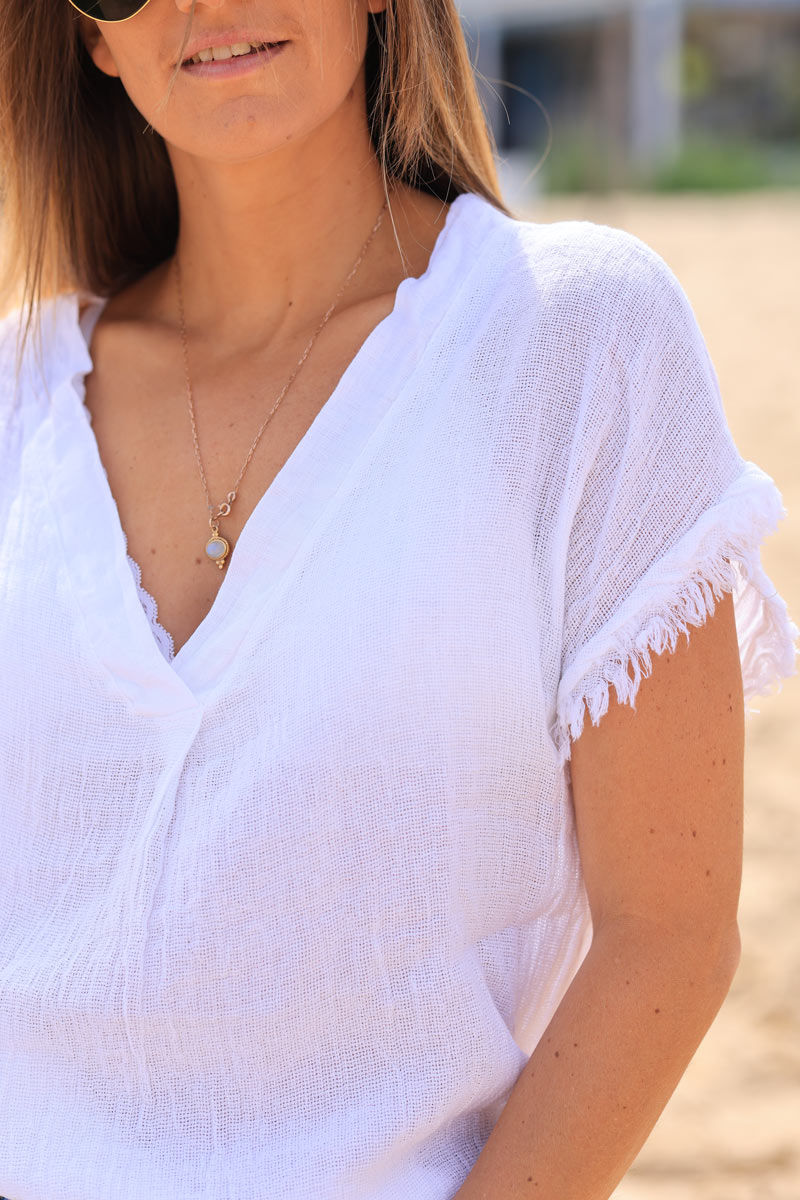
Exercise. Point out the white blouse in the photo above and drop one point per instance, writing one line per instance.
(284, 915)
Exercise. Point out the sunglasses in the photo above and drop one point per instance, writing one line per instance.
(109, 10)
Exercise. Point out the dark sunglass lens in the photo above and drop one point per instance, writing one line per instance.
(110, 10)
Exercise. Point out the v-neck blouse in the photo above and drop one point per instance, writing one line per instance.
(284, 916)
(163, 638)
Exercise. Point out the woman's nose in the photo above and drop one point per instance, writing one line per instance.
(185, 5)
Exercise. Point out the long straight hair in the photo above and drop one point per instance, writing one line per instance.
(88, 194)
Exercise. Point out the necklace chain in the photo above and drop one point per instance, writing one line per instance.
(218, 547)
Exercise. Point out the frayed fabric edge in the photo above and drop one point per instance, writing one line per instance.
(719, 554)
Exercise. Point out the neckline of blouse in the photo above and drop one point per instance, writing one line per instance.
(80, 326)
(299, 502)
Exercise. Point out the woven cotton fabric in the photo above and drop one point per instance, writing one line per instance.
(283, 917)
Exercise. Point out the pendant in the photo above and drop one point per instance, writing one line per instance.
(217, 548)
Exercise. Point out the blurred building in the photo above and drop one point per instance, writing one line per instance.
(634, 75)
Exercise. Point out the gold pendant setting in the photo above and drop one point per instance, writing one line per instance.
(217, 547)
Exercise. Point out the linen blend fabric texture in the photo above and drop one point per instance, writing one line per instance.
(285, 914)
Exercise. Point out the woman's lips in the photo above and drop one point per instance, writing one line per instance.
(241, 64)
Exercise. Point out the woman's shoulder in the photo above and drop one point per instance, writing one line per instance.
(41, 334)
(603, 284)
(38, 350)
(590, 259)
(12, 357)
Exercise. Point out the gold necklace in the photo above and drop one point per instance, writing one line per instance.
(217, 547)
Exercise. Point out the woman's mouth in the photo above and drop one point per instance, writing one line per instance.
(225, 62)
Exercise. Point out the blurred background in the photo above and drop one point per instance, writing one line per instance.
(654, 94)
(680, 122)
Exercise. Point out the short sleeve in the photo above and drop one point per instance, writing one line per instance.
(663, 514)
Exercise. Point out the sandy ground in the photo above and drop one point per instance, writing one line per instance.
(732, 1128)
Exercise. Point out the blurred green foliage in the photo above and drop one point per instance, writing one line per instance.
(697, 72)
(579, 162)
(709, 164)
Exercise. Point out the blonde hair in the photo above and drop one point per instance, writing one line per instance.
(88, 196)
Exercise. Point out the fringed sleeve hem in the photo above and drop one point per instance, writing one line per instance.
(719, 554)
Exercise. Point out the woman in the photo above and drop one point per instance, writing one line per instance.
(334, 501)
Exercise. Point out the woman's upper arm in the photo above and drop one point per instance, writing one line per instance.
(658, 790)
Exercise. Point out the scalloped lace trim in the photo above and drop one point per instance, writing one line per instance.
(163, 639)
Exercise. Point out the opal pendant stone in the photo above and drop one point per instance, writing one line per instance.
(217, 550)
